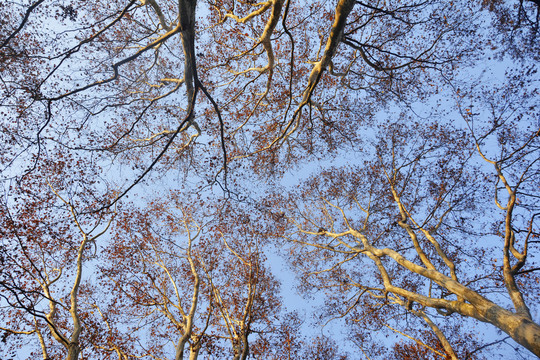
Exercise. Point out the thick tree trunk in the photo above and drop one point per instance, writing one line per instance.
(522, 330)
(194, 352)
(73, 351)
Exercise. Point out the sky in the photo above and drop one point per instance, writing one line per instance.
(140, 103)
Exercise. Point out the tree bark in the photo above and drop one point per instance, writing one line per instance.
(73, 351)
(521, 329)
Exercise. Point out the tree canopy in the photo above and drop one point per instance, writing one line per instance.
(161, 159)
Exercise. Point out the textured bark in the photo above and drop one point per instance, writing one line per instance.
(521, 329)
(73, 351)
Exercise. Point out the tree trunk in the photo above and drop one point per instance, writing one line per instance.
(73, 351)
(522, 330)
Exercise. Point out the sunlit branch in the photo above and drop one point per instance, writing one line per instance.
(418, 341)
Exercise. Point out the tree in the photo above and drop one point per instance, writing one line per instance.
(47, 243)
(176, 281)
(146, 146)
(398, 229)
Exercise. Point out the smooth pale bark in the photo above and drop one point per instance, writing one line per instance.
(519, 327)
(72, 344)
(469, 303)
(73, 351)
(444, 341)
(194, 352)
(187, 322)
(343, 9)
(436, 330)
(508, 271)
